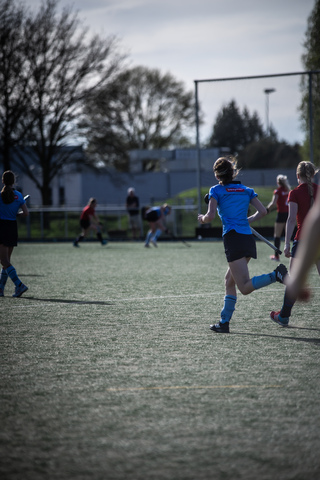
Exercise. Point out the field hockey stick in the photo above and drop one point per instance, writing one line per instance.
(24, 198)
(257, 234)
(180, 240)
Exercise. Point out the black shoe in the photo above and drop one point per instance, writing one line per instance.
(220, 327)
(281, 272)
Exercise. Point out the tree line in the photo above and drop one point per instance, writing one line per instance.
(59, 86)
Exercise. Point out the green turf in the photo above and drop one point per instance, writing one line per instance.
(109, 370)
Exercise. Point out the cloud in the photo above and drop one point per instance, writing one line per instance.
(205, 39)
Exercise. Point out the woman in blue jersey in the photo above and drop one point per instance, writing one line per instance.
(11, 201)
(156, 218)
(232, 199)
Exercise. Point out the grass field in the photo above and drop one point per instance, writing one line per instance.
(109, 369)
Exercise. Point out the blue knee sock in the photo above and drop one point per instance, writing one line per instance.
(157, 234)
(228, 308)
(263, 280)
(11, 271)
(3, 278)
(148, 237)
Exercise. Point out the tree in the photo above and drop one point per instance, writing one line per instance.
(63, 68)
(139, 109)
(311, 62)
(269, 153)
(235, 130)
(15, 81)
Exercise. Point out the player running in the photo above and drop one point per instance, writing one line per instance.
(232, 199)
(300, 200)
(89, 220)
(280, 201)
(11, 201)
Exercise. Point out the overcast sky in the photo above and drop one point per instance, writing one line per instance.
(207, 39)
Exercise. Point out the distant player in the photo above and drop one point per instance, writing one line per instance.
(232, 200)
(89, 220)
(156, 217)
(132, 205)
(11, 202)
(300, 200)
(280, 201)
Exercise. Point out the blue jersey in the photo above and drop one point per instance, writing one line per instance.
(233, 202)
(8, 211)
(156, 210)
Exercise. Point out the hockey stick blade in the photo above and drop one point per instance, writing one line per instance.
(181, 240)
(263, 239)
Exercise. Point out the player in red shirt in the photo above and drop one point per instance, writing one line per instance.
(280, 201)
(89, 220)
(300, 200)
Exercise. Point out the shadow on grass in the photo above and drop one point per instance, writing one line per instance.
(30, 275)
(61, 300)
(316, 341)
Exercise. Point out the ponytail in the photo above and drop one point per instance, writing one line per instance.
(283, 181)
(7, 193)
(307, 171)
(225, 168)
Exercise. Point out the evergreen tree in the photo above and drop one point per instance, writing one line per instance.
(311, 62)
(235, 130)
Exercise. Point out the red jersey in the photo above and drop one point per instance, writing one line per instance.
(87, 212)
(282, 200)
(301, 197)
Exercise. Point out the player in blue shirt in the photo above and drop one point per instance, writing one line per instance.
(11, 202)
(232, 199)
(156, 218)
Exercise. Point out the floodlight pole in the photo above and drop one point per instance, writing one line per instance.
(310, 118)
(198, 146)
(267, 91)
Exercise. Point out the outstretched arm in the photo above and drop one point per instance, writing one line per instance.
(261, 210)
(273, 203)
(24, 211)
(211, 212)
(290, 224)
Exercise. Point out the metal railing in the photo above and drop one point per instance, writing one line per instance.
(62, 223)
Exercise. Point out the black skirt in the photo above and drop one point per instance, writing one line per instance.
(238, 245)
(8, 233)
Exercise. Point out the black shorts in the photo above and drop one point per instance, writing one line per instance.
(8, 233)
(282, 217)
(238, 245)
(152, 216)
(84, 224)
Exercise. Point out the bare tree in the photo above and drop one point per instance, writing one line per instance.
(140, 109)
(15, 89)
(63, 69)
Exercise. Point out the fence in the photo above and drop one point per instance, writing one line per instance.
(62, 224)
(252, 92)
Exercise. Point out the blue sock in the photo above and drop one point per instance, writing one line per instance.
(3, 278)
(11, 271)
(228, 308)
(148, 237)
(157, 234)
(263, 280)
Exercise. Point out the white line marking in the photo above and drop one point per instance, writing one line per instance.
(195, 387)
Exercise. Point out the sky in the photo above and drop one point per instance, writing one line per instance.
(211, 39)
